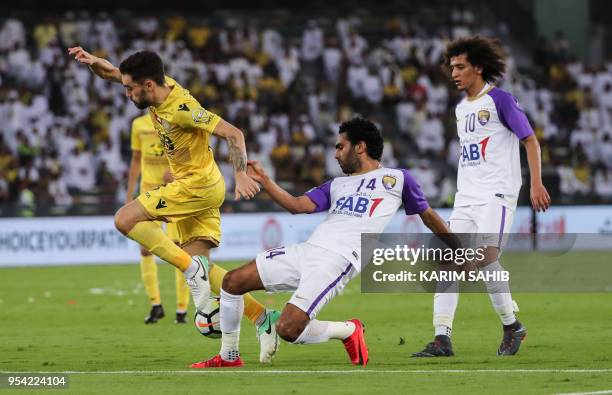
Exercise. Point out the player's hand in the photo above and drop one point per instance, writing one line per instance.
(168, 177)
(540, 199)
(469, 267)
(82, 56)
(246, 187)
(256, 171)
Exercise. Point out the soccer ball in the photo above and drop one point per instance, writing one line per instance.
(207, 322)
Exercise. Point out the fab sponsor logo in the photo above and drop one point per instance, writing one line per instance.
(474, 152)
(356, 206)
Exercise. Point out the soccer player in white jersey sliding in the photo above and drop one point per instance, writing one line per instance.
(490, 125)
(363, 201)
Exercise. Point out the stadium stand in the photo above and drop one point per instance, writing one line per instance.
(287, 81)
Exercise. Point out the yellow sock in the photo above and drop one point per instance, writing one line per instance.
(182, 291)
(216, 274)
(252, 308)
(148, 273)
(153, 238)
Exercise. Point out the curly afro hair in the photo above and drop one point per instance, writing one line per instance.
(480, 51)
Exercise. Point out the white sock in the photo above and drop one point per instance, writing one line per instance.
(321, 331)
(444, 307)
(499, 293)
(261, 319)
(230, 314)
(192, 269)
(229, 346)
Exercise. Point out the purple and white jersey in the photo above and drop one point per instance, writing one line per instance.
(489, 128)
(362, 203)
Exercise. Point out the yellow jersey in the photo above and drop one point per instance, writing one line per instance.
(184, 128)
(153, 162)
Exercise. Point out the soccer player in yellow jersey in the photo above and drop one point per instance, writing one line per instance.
(149, 161)
(193, 199)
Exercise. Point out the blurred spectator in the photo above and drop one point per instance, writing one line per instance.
(431, 136)
(80, 171)
(426, 178)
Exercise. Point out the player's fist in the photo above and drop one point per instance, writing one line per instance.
(540, 199)
(246, 187)
(81, 55)
(168, 177)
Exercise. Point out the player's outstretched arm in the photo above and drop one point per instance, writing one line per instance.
(246, 187)
(101, 67)
(433, 221)
(295, 205)
(540, 199)
(436, 224)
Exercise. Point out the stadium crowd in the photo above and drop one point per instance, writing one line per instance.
(65, 134)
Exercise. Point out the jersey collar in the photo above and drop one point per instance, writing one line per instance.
(366, 172)
(170, 98)
(485, 89)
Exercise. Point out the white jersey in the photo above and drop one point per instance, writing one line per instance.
(362, 203)
(489, 128)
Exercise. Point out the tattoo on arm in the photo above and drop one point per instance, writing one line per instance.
(237, 156)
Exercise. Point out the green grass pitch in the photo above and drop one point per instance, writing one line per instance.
(88, 320)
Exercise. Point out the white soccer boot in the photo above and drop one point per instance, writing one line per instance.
(267, 336)
(199, 283)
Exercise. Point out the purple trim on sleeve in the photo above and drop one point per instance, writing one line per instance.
(320, 196)
(510, 114)
(412, 196)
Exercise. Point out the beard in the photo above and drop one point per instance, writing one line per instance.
(350, 165)
(142, 104)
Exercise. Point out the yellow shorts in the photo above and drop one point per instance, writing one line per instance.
(194, 209)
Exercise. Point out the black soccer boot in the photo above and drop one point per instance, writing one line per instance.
(157, 313)
(440, 347)
(514, 335)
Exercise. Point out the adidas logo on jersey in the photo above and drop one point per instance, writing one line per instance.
(183, 107)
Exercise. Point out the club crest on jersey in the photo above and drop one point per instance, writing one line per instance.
(200, 115)
(483, 117)
(389, 182)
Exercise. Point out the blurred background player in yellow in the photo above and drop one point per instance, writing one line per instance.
(150, 163)
(193, 199)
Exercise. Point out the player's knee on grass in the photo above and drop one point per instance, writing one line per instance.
(292, 323)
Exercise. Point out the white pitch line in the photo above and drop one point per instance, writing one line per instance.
(587, 393)
(356, 371)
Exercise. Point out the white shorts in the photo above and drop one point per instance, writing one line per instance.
(316, 274)
(491, 221)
